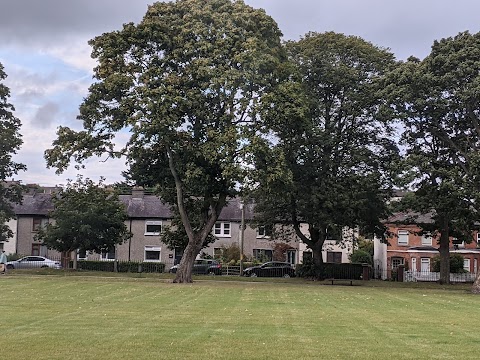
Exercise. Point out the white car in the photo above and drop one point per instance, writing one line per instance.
(32, 262)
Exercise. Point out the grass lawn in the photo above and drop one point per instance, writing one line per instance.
(70, 317)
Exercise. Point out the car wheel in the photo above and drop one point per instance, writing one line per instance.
(253, 274)
(286, 276)
(44, 266)
(212, 273)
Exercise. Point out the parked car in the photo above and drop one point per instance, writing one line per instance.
(203, 266)
(271, 269)
(32, 262)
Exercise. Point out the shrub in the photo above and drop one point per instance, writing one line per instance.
(122, 266)
(456, 264)
(361, 257)
(330, 270)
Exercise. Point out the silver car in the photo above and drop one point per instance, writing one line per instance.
(32, 262)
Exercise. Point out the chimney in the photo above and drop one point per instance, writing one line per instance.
(137, 192)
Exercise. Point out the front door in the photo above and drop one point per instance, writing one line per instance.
(178, 256)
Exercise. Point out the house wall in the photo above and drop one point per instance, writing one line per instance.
(10, 245)
(134, 248)
(414, 251)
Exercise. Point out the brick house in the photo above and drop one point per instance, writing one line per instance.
(406, 246)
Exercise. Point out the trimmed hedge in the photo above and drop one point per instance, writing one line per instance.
(348, 271)
(122, 266)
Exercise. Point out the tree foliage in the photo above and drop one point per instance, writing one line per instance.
(332, 155)
(86, 217)
(10, 142)
(185, 83)
(438, 98)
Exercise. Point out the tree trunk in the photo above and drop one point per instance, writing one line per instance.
(75, 255)
(444, 257)
(318, 259)
(476, 285)
(184, 271)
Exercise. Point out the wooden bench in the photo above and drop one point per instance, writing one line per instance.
(335, 279)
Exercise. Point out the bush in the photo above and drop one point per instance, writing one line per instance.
(122, 266)
(330, 271)
(361, 257)
(456, 264)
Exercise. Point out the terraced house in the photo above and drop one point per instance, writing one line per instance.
(148, 216)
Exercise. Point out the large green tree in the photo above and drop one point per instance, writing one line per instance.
(10, 142)
(439, 98)
(330, 158)
(185, 84)
(87, 217)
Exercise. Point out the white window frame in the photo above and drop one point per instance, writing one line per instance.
(466, 264)
(478, 239)
(426, 239)
(414, 264)
(153, 222)
(403, 233)
(425, 262)
(222, 229)
(396, 262)
(104, 255)
(262, 233)
(82, 258)
(152, 248)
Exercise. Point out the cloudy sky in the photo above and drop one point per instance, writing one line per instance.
(43, 47)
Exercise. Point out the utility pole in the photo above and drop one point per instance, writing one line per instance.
(242, 233)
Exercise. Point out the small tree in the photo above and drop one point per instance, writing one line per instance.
(10, 142)
(87, 217)
(361, 256)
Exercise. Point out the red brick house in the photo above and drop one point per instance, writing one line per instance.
(406, 246)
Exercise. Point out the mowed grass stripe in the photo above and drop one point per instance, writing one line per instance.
(102, 318)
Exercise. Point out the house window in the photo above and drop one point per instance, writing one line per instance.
(426, 239)
(39, 250)
(402, 237)
(334, 257)
(152, 253)
(108, 255)
(82, 254)
(457, 244)
(478, 239)
(425, 264)
(292, 256)
(396, 262)
(222, 229)
(263, 255)
(264, 231)
(38, 223)
(414, 264)
(153, 227)
(466, 264)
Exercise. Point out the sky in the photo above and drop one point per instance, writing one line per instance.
(44, 50)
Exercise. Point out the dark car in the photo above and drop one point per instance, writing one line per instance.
(203, 266)
(271, 269)
(32, 262)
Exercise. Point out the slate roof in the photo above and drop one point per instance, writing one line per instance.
(38, 204)
(146, 206)
(410, 218)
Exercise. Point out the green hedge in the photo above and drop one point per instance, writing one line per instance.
(347, 271)
(122, 266)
